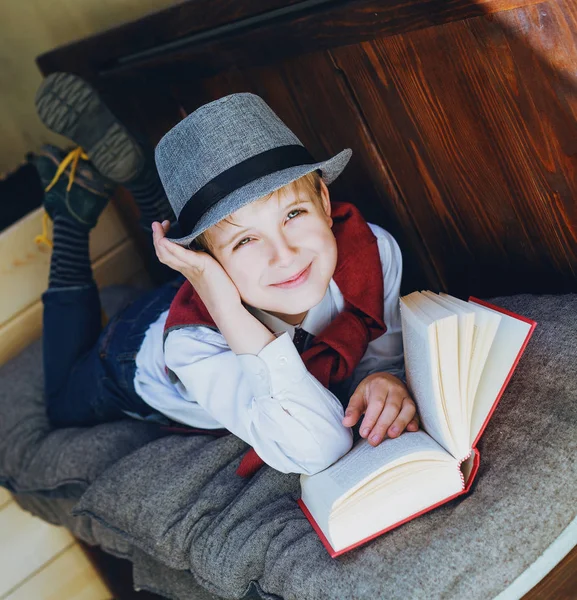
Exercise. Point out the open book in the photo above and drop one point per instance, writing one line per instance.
(459, 357)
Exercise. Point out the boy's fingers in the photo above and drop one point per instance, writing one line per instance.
(387, 417)
(352, 415)
(165, 256)
(375, 407)
(183, 254)
(403, 419)
(176, 254)
(166, 226)
(355, 408)
(413, 425)
(157, 237)
(157, 231)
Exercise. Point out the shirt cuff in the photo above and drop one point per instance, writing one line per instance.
(277, 366)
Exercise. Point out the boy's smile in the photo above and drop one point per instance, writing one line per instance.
(280, 252)
(295, 281)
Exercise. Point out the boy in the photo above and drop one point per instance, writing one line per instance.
(274, 266)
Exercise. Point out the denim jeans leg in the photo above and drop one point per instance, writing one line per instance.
(119, 345)
(72, 325)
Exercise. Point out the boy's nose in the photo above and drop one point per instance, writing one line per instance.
(282, 252)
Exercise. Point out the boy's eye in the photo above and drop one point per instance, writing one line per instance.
(242, 242)
(294, 213)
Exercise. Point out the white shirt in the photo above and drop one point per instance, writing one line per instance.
(269, 400)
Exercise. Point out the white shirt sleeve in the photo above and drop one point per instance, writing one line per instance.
(269, 400)
(386, 352)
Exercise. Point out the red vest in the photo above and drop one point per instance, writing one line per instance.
(338, 349)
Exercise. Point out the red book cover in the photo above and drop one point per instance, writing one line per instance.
(475, 457)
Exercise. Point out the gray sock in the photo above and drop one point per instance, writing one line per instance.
(150, 197)
(70, 263)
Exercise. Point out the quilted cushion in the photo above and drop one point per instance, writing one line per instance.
(35, 458)
(179, 500)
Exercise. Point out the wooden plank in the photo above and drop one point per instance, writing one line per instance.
(5, 497)
(184, 19)
(26, 544)
(560, 583)
(274, 35)
(116, 267)
(317, 28)
(69, 576)
(478, 132)
(24, 265)
(20, 332)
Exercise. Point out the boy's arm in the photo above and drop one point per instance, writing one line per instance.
(244, 333)
(269, 400)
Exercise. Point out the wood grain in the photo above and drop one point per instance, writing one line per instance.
(560, 583)
(166, 25)
(310, 27)
(463, 118)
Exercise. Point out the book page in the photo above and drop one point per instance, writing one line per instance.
(323, 491)
(365, 461)
(423, 373)
(509, 339)
(486, 325)
(467, 332)
(397, 494)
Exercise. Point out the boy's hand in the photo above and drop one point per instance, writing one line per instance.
(387, 406)
(206, 275)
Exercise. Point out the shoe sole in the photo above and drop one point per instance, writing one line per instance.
(68, 105)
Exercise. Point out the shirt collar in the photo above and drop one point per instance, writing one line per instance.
(317, 318)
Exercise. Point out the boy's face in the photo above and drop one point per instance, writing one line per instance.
(280, 253)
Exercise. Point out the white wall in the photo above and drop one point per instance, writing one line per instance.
(29, 28)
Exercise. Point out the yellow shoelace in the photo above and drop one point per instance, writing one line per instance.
(73, 157)
(43, 238)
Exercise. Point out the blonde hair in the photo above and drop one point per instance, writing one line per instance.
(308, 186)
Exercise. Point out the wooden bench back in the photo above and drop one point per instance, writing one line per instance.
(461, 115)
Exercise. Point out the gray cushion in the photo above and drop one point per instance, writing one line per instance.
(152, 576)
(179, 500)
(33, 458)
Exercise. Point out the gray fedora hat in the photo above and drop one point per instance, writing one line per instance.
(227, 154)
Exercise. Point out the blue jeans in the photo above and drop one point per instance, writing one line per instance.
(89, 372)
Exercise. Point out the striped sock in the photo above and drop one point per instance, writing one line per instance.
(150, 197)
(70, 263)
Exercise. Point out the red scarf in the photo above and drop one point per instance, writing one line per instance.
(337, 350)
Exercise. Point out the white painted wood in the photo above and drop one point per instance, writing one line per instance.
(5, 498)
(68, 576)
(29, 28)
(24, 265)
(26, 544)
(116, 267)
